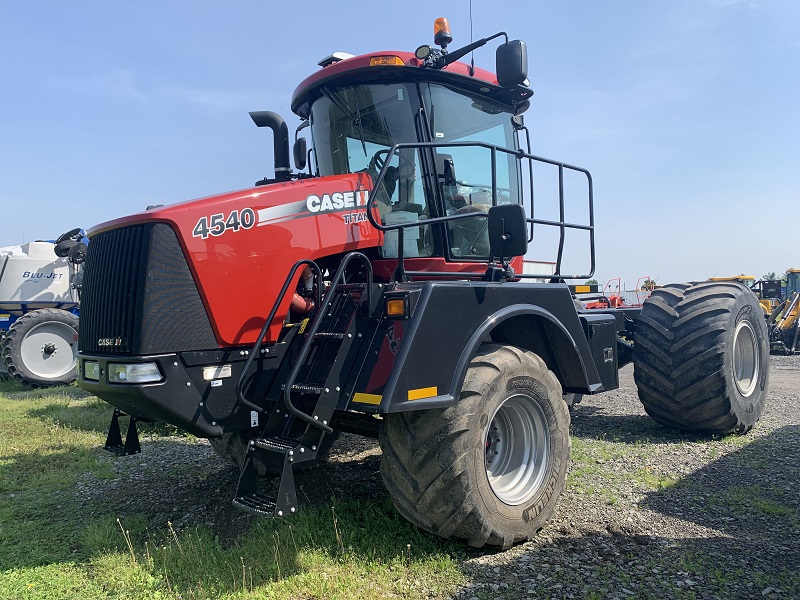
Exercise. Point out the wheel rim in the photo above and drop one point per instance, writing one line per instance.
(49, 350)
(517, 449)
(745, 358)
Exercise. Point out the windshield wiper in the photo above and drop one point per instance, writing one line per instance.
(360, 127)
(341, 104)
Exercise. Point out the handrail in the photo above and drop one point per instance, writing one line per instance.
(257, 347)
(562, 225)
(315, 324)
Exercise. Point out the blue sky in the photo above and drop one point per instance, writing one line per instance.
(686, 112)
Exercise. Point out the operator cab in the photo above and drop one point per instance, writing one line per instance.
(447, 119)
(358, 125)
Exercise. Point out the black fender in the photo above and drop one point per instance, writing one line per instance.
(425, 357)
(563, 353)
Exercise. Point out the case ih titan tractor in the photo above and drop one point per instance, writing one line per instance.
(377, 292)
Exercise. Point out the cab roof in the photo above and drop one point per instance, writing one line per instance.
(403, 67)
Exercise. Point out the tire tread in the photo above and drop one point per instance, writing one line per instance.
(426, 454)
(679, 357)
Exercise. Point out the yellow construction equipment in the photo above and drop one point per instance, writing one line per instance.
(747, 280)
(784, 332)
(768, 290)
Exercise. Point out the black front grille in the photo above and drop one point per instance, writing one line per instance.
(139, 296)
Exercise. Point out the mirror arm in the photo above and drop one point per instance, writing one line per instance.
(445, 59)
(306, 123)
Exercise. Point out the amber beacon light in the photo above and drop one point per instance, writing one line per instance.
(441, 32)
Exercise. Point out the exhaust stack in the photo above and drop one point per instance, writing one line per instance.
(280, 132)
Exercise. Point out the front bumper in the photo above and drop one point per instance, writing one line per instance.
(181, 398)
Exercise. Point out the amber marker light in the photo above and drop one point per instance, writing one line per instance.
(396, 308)
(382, 61)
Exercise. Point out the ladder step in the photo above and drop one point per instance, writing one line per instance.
(307, 389)
(276, 443)
(256, 504)
(327, 335)
(343, 287)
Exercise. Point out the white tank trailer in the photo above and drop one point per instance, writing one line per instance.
(39, 300)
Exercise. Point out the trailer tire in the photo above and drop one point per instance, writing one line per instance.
(232, 446)
(40, 349)
(701, 357)
(449, 475)
(3, 371)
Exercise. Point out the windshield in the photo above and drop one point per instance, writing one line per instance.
(792, 281)
(459, 117)
(353, 129)
(350, 125)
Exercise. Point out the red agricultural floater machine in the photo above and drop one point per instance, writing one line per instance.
(377, 291)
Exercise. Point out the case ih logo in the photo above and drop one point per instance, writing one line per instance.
(336, 201)
(112, 342)
(317, 204)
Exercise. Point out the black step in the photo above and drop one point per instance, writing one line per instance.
(327, 335)
(343, 287)
(276, 443)
(260, 505)
(304, 388)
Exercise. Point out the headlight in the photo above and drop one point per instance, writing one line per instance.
(133, 373)
(91, 370)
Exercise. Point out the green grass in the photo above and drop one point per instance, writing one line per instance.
(590, 473)
(655, 481)
(743, 500)
(347, 550)
(56, 544)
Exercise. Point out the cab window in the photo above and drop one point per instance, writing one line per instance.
(459, 117)
(354, 129)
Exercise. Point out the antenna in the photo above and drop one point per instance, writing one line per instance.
(472, 55)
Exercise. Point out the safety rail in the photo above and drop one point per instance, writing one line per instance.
(311, 332)
(561, 224)
(257, 346)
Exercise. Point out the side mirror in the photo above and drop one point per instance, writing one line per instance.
(512, 64)
(508, 231)
(300, 151)
(449, 171)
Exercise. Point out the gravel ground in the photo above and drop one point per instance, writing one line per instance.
(647, 513)
(728, 528)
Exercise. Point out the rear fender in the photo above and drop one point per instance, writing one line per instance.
(529, 327)
(535, 329)
(513, 326)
